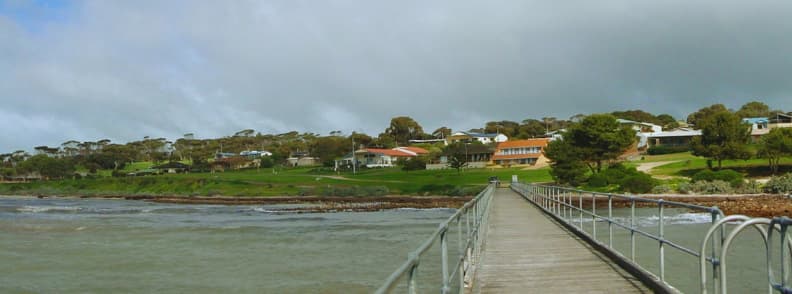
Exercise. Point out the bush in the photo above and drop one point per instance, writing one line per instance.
(659, 150)
(705, 187)
(627, 178)
(638, 183)
(780, 184)
(734, 178)
(598, 180)
(662, 189)
(752, 187)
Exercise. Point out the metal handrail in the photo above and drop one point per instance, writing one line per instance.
(561, 202)
(476, 214)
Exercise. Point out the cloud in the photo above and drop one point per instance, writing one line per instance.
(127, 69)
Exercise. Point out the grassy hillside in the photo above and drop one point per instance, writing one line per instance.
(289, 182)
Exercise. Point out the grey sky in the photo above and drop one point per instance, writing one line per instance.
(89, 70)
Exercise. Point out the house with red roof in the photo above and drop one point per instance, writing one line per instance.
(521, 152)
(376, 157)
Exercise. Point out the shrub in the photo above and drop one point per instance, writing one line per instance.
(780, 184)
(713, 187)
(638, 183)
(734, 178)
(662, 189)
(659, 150)
(598, 180)
(752, 187)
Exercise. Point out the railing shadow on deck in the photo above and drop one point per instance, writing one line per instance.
(569, 206)
(471, 219)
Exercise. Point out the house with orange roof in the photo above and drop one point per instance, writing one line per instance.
(521, 152)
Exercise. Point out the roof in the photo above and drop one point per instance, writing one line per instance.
(516, 156)
(416, 150)
(477, 135)
(756, 120)
(389, 152)
(538, 142)
(677, 133)
(627, 121)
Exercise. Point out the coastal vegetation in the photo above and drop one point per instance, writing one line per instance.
(283, 182)
(595, 152)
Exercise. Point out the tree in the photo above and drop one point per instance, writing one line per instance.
(753, 109)
(723, 136)
(441, 133)
(403, 129)
(415, 163)
(637, 115)
(667, 121)
(506, 127)
(531, 128)
(566, 165)
(597, 138)
(548, 121)
(774, 145)
(47, 167)
(697, 117)
(458, 162)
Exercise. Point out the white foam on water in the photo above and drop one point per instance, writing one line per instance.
(39, 209)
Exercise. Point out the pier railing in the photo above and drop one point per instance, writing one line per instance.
(572, 207)
(471, 223)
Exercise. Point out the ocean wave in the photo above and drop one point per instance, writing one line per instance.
(653, 220)
(43, 209)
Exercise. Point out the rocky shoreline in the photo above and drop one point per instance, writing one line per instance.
(754, 205)
(313, 203)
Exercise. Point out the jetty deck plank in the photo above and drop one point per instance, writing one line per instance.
(528, 252)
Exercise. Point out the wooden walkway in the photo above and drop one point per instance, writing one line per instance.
(528, 252)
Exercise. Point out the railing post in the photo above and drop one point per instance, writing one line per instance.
(662, 242)
(632, 228)
(580, 202)
(444, 258)
(594, 215)
(461, 254)
(412, 284)
(716, 242)
(610, 221)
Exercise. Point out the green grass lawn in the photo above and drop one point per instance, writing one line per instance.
(280, 182)
(687, 165)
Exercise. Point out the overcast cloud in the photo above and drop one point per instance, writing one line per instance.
(90, 70)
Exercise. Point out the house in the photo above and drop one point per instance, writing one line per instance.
(678, 137)
(780, 120)
(759, 126)
(300, 158)
(476, 155)
(521, 152)
(173, 167)
(254, 154)
(375, 157)
(642, 130)
(222, 155)
(429, 141)
(481, 137)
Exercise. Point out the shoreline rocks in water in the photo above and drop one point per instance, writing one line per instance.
(319, 203)
(761, 205)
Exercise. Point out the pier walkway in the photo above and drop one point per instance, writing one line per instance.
(528, 252)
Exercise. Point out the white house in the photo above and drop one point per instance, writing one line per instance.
(483, 138)
(375, 157)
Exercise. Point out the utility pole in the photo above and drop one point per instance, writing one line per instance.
(354, 161)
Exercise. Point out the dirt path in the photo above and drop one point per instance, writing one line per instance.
(648, 166)
(343, 178)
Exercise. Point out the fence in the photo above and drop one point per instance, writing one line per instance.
(567, 205)
(474, 215)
